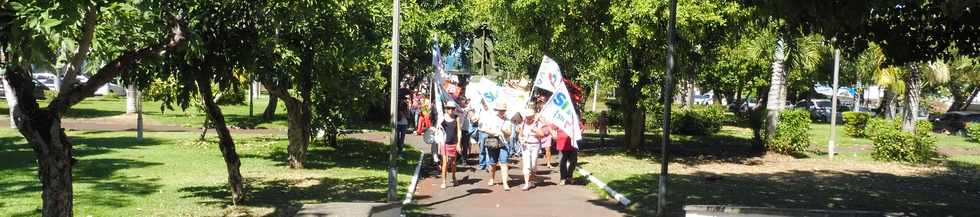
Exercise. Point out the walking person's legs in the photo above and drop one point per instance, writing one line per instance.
(482, 141)
(400, 139)
(445, 161)
(572, 164)
(563, 168)
(502, 161)
(547, 155)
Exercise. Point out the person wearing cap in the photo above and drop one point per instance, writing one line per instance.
(450, 125)
(492, 124)
(533, 135)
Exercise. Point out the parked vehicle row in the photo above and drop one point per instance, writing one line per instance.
(48, 80)
(955, 122)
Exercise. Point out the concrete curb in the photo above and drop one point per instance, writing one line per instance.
(619, 197)
(415, 181)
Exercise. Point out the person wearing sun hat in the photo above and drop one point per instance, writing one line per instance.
(492, 125)
(450, 125)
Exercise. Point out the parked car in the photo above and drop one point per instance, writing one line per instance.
(702, 99)
(955, 122)
(110, 88)
(38, 90)
(820, 110)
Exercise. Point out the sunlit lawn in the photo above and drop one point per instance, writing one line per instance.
(171, 174)
(718, 170)
(98, 106)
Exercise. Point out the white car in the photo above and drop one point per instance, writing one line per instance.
(110, 88)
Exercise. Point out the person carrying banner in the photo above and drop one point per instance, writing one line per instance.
(450, 124)
(494, 125)
(569, 156)
(533, 135)
(466, 128)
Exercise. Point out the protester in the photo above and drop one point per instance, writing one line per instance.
(465, 129)
(451, 126)
(533, 134)
(494, 126)
(402, 126)
(483, 127)
(569, 156)
(424, 121)
(539, 103)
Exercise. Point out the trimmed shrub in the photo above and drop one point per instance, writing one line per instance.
(973, 132)
(698, 121)
(897, 145)
(855, 122)
(792, 133)
(893, 144)
(232, 97)
(923, 128)
(876, 124)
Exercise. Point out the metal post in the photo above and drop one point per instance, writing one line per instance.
(833, 111)
(595, 94)
(139, 116)
(393, 153)
(668, 101)
(251, 97)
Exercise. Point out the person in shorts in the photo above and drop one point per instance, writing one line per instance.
(450, 125)
(495, 125)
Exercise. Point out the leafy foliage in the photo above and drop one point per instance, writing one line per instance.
(698, 121)
(892, 144)
(792, 133)
(973, 132)
(855, 123)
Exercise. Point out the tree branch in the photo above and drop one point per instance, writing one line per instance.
(116, 67)
(84, 46)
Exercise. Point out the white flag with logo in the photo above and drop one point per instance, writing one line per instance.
(559, 109)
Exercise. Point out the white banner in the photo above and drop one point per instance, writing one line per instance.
(559, 109)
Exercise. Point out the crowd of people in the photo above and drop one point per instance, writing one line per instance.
(492, 134)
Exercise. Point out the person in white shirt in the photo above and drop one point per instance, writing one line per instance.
(491, 124)
(533, 134)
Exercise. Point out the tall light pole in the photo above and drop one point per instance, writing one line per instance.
(668, 100)
(393, 153)
(833, 111)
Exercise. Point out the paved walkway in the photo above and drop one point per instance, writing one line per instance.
(472, 197)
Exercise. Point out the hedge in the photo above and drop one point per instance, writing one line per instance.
(855, 123)
(792, 133)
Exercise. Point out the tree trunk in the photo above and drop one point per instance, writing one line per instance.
(131, 99)
(913, 83)
(42, 129)
(225, 142)
(961, 98)
(777, 88)
(757, 119)
(270, 109)
(969, 101)
(298, 115)
(630, 95)
(886, 106)
(8, 92)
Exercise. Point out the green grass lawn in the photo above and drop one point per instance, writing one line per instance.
(717, 170)
(98, 106)
(172, 174)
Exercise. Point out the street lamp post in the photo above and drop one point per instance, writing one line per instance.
(668, 100)
(393, 153)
